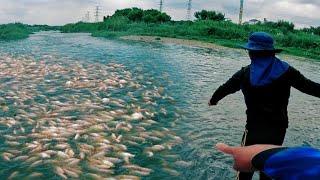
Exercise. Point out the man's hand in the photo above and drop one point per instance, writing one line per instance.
(243, 155)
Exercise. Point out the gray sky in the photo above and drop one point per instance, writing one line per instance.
(303, 13)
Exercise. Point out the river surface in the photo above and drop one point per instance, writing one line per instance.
(127, 108)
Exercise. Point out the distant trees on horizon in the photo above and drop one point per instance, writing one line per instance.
(209, 15)
(140, 15)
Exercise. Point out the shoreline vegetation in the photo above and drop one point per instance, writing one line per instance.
(209, 27)
(16, 31)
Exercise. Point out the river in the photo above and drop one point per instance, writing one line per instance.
(161, 101)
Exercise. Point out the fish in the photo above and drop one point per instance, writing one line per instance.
(157, 148)
(34, 175)
(59, 171)
(71, 173)
(21, 158)
(37, 163)
(13, 175)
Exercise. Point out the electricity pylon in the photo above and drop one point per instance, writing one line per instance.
(161, 5)
(189, 10)
(241, 11)
(97, 13)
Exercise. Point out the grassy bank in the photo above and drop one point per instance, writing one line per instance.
(17, 31)
(295, 42)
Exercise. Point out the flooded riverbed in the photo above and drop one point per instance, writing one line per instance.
(74, 106)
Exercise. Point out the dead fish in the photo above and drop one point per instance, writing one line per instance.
(73, 162)
(21, 158)
(139, 170)
(149, 153)
(157, 148)
(35, 175)
(93, 176)
(113, 160)
(183, 163)
(13, 175)
(62, 155)
(37, 163)
(59, 171)
(71, 173)
(12, 143)
(137, 116)
(115, 138)
(32, 159)
(99, 154)
(77, 136)
(69, 152)
(5, 157)
(126, 156)
(171, 172)
(44, 155)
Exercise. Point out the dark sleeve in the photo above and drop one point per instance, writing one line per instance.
(289, 163)
(260, 159)
(303, 84)
(230, 87)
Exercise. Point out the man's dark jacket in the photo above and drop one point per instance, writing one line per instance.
(266, 105)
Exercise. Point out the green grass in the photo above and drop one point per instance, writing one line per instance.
(17, 31)
(224, 33)
(14, 31)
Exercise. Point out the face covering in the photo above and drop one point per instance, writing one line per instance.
(264, 70)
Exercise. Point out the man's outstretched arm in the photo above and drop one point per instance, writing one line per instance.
(230, 87)
(304, 84)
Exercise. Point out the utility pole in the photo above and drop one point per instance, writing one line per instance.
(241, 12)
(87, 17)
(97, 13)
(189, 11)
(161, 5)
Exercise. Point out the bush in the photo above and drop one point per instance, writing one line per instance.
(283, 25)
(312, 30)
(209, 15)
(138, 15)
(14, 31)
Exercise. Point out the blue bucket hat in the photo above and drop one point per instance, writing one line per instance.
(260, 41)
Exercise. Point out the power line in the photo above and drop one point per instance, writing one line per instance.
(189, 10)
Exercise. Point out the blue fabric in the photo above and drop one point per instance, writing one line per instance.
(260, 41)
(264, 71)
(301, 163)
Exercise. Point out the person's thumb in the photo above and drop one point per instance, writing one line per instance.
(224, 148)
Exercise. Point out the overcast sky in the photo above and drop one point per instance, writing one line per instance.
(303, 13)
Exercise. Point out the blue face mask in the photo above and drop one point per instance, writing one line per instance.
(264, 70)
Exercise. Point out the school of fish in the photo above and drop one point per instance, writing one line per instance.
(79, 120)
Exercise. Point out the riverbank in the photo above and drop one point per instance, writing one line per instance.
(224, 33)
(191, 43)
(167, 40)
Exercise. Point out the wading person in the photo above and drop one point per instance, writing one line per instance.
(265, 84)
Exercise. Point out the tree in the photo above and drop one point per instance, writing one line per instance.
(137, 15)
(281, 24)
(209, 15)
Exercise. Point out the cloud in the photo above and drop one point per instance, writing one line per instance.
(57, 12)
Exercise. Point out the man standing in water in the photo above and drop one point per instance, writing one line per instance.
(265, 84)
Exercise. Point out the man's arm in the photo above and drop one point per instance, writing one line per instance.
(230, 87)
(289, 163)
(303, 84)
(275, 161)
